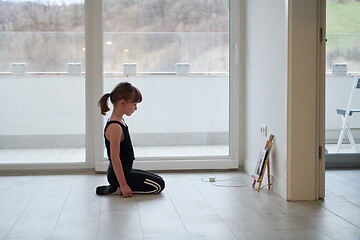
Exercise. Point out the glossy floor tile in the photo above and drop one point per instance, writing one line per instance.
(60, 207)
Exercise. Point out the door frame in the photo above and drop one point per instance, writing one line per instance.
(321, 100)
(306, 100)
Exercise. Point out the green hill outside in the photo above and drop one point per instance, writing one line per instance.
(343, 16)
(343, 34)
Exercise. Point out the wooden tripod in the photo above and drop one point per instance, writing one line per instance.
(266, 166)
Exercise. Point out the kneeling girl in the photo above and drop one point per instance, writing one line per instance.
(120, 174)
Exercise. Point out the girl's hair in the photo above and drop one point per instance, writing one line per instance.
(123, 90)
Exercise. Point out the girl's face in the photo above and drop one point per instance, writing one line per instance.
(129, 107)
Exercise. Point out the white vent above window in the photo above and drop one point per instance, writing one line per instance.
(182, 68)
(339, 69)
(18, 68)
(129, 68)
(74, 68)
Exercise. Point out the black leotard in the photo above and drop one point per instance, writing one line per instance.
(139, 181)
(126, 148)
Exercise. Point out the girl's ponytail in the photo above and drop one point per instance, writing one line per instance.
(123, 90)
(103, 103)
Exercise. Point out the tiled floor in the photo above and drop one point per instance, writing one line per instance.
(66, 207)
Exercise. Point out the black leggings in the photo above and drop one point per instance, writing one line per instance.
(139, 181)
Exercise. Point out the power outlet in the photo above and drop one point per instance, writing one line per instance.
(263, 130)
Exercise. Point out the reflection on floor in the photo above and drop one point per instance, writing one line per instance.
(66, 207)
(63, 155)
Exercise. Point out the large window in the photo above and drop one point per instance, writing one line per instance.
(180, 54)
(42, 84)
(177, 53)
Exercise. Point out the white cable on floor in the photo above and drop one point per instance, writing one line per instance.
(215, 183)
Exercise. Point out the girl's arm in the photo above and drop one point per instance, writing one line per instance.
(115, 135)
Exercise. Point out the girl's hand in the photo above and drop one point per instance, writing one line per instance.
(126, 191)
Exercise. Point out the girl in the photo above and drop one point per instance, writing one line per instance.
(120, 173)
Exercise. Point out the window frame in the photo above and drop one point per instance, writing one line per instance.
(231, 161)
(94, 143)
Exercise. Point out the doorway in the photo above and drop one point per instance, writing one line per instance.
(342, 88)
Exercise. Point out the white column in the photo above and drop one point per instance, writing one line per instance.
(303, 90)
(93, 80)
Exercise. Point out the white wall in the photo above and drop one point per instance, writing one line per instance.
(179, 103)
(60, 100)
(56, 104)
(38, 105)
(49, 111)
(266, 85)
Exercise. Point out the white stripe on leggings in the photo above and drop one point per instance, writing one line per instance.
(151, 183)
(157, 185)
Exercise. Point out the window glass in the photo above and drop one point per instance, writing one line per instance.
(181, 52)
(44, 34)
(157, 34)
(42, 84)
(343, 34)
